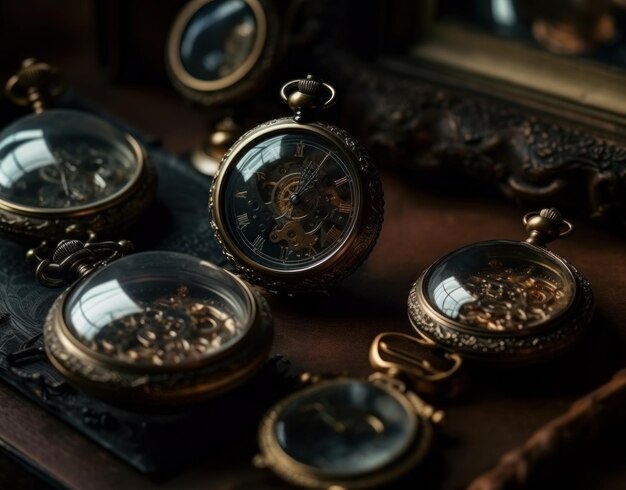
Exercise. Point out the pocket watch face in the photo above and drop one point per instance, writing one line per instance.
(158, 309)
(65, 161)
(345, 429)
(500, 286)
(291, 200)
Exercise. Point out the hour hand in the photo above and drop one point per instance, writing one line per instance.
(309, 173)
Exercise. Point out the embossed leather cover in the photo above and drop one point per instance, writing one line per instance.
(178, 221)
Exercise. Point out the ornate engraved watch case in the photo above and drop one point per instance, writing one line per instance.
(219, 51)
(60, 167)
(504, 301)
(354, 433)
(297, 205)
(155, 329)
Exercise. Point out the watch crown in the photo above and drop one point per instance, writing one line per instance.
(552, 214)
(307, 94)
(65, 249)
(546, 226)
(310, 85)
(35, 83)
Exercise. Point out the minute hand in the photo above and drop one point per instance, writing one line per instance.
(308, 177)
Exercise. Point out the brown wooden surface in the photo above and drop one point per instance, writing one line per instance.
(332, 333)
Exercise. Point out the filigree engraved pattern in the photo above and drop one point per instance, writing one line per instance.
(108, 221)
(490, 346)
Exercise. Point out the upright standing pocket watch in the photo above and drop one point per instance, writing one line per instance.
(65, 167)
(297, 205)
(153, 329)
(502, 300)
(353, 433)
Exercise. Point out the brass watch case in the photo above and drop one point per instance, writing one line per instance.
(105, 218)
(274, 457)
(246, 79)
(510, 348)
(155, 387)
(355, 248)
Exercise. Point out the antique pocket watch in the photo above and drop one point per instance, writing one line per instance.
(61, 167)
(297, 205)
(504, 301)
(219, 51)
(153, 329)
(353, 433)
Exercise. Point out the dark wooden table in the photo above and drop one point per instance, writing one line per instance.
(332, 333)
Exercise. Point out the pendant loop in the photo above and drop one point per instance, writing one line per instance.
(307, 94)
(73, 258)
(546, 226)
(399, 353)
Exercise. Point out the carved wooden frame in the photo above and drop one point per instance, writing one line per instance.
(442, 122)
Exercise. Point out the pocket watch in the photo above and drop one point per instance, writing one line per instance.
(504, 301)
(219, 51)
(353, 433)
(296, 205)
(153, 329)
(61, 168)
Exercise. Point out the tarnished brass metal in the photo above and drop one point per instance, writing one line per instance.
(504, 301)
(388, 356)
(300, 195)
(307, 94)
(35, 84)
(106, 213)
(206, 157)
(72, 259)
(163, 351)
(349, 421)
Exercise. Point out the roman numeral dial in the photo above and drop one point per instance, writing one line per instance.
(292, 201)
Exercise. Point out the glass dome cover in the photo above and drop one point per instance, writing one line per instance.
(159, 309)
(64, 169)
(500, 286)
(158, 329)
(506, 301)
(62, 161)
(345, 429)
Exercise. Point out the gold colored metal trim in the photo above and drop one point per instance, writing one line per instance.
(440, 317)
(274, 457)
(532, 345)
(227, 167)
(173, 48)
(87, 209)
(112, 215)
(399, 361)
(159, 385)
(347, 256)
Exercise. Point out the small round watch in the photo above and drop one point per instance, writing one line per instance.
(62, 168)
(153, 329)
(504, 301)
(219, 51)
(354, 433)
(297, 205)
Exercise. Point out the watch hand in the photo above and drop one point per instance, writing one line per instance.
(311, 177)
(304, 172)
